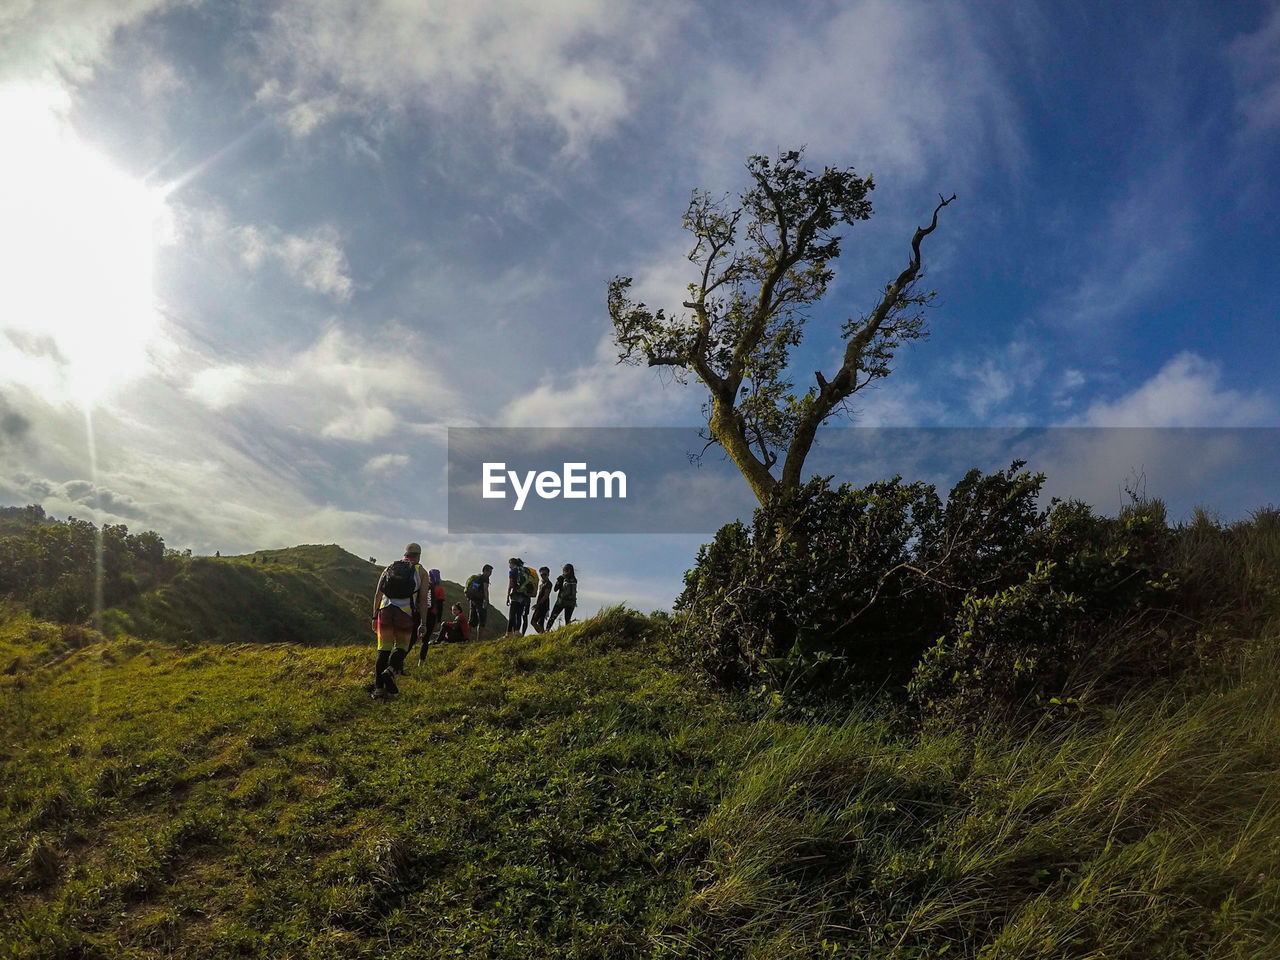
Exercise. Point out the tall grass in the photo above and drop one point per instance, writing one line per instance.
(1150, 831)
(571, 795)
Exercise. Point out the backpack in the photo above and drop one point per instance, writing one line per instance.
(568, 593)
(398, 580)
(475, 588)
(529, 585)
(518, 581)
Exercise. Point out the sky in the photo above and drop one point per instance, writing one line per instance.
(257, 257)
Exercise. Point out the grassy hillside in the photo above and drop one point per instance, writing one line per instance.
(570, 796)
(349, 577)
(309, 594)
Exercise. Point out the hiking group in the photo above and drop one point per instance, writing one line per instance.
(408, 604)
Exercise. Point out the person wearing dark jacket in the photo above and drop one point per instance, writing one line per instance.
(517, 599)
(542, 603)
(566, 596)
(432, 611)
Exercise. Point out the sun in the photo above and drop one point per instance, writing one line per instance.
(78, 240)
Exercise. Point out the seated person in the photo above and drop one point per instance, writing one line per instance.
(455, 630)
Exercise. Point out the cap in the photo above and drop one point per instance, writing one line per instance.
(413, 550)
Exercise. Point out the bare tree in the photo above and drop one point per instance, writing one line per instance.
(762, 258)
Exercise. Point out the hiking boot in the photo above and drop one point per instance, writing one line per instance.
(388, 678)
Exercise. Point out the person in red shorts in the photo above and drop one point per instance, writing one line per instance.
(395, 606)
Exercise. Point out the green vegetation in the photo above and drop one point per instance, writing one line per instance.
(760, 260)
(309, 594)
(569, 795)
(574, 794)
(975, 603)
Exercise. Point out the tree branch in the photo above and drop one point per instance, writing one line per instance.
(767, 305)
(831, 393)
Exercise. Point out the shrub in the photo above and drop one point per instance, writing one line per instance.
(984, 599)
(846, 583)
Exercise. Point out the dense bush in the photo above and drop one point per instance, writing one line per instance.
(982, 599)
(852, 579)
(51, 565)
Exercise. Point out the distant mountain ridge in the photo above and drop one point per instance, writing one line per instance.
(318, 594)
(311, 593)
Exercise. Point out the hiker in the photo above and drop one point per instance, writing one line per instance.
(477, 591)
(455, 630)
(517, 597)
(529, 587)
(566, 596)
(433, 611)
(543, 601)
(395, 605)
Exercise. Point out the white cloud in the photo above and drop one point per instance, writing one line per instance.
(386, 461)
(159, 79)
(363, 424)
(902, 83)
(316, 260)
(63, 40)
(604, 393)
(220, 387)
(240, 462)
(1186, 392)
(1072, 380)
(568, 65)
(1255, 63)
(342, 387)
(997, 378)
(897, 403)
(302, 115)
(33, 363)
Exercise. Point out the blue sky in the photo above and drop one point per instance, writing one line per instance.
(276, 249)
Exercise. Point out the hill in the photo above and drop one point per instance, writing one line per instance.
(314, 594)
(305, 594)
(354, 579)
(569, 795)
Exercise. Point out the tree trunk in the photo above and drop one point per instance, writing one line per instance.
(726, 430)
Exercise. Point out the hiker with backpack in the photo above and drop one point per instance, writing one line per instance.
(395, 607)
(518, 577)
(566, 596)
(529, 586)
(433, 610)
(543, 602)
(455, 630)
(477, 591)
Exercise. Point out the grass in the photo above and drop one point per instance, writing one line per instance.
(570, 795)
(312, 594)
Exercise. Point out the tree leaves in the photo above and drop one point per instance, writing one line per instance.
(761, 258)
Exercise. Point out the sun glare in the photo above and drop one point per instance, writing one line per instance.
(77, 249)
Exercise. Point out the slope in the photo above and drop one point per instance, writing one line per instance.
(569, 795)
(347, 576)
(313, 594)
